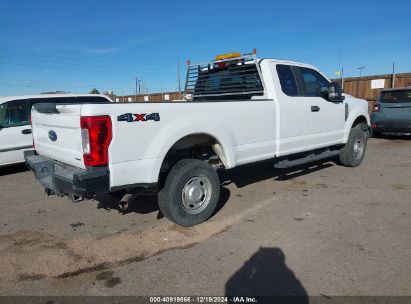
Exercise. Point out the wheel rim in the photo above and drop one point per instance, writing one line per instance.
(358, 148)
(196, 194)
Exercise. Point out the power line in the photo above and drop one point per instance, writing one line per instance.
(79, 67)
(127, 61)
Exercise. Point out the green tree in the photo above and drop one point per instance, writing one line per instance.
(94, 91)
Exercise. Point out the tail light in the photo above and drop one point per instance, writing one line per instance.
(376, 108)
(374, 126)
(96, 137)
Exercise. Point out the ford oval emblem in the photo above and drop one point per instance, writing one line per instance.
(52, 135)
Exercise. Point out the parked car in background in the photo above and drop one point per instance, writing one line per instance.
(391, 113)
(15, 130)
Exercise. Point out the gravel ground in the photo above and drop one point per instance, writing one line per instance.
(316, 230)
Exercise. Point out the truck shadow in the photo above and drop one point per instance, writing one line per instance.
(254, 173)
(240, 176)
(13, 169)
(265, 275)
(144, 204)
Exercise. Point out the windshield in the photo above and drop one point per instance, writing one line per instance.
(395, 96)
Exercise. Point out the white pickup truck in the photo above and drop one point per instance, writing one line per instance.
(236, 110)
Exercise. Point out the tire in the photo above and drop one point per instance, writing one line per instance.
(353, 152)
(190, 194)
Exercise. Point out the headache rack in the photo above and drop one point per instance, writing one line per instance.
(237, 77)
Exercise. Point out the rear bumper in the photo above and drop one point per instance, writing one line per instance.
(402, 127)
(65, 180)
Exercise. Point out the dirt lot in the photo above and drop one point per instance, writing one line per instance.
(318, 230)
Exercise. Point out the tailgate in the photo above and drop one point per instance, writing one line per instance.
(397, 111)
(57, 132)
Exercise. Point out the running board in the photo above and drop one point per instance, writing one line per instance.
(285, 163)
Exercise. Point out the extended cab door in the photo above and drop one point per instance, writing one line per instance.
(326, 119)
(15, 131)
(294, 112)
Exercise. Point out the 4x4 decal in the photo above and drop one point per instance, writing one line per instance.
(130, 117)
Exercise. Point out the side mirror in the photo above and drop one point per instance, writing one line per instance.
(335, 93)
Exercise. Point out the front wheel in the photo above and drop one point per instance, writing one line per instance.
(354, 150)
(190, 193)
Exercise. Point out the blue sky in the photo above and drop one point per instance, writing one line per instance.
(78, 45)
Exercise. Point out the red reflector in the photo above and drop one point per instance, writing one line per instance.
(374, 126)
(99, 137)
(221, 65)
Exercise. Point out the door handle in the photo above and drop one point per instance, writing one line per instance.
(315, 109)
(26, 131)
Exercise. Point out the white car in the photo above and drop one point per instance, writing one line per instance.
(237, 110)
(15, 129)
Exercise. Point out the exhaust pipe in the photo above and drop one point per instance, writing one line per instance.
(75, 198)
(125, 201)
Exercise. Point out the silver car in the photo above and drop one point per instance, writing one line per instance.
(392, 112)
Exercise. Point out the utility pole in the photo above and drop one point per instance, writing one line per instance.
(361, 68)
(179, 79)
(139, 87)
(135, 92)
(393, 75)
(341, 69)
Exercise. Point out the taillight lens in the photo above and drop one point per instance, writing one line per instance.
(96, 137)
(376, 108)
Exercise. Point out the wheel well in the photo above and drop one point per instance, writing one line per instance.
(366, 128)
(359, 120)
(197, 146)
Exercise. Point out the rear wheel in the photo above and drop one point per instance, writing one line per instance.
(354, 150)
(190, 193)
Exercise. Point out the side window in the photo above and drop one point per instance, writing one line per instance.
(4, 119)
(313, 83)
(17, 113)
(287, 80)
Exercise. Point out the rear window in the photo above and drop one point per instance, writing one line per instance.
(229, 83)
(71, 100)
(395, 96)
(92, 99)
(53, 100)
